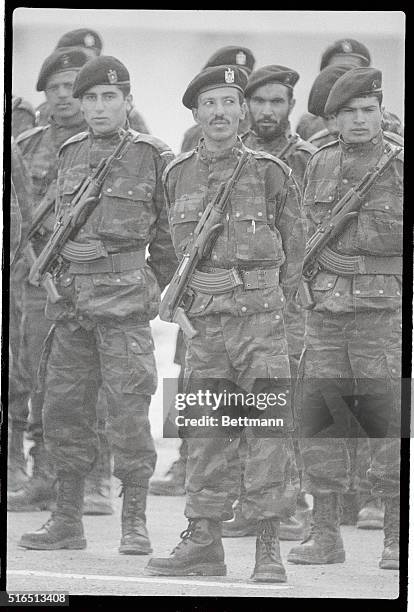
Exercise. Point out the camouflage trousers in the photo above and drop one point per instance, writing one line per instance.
(238, 352)
(349, 382)
(76, 362)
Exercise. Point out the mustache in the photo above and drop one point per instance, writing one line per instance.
(221, 119)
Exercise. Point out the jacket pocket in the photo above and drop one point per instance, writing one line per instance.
(255, 238)
(380, 224)
(126, 210)
(319, 198)
(184, 216)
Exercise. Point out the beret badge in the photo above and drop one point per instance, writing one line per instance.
(89, 40)
(65, 60)
(229, 75)
(112, 76)
(375, 85)
(241, 58)
(346, 46)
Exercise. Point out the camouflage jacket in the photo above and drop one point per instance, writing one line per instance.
(251, 238)
(323, 137)
(376, 231)
(297, 156)
(130, 217)
(23, 116)
(22, 188)
(39, 147)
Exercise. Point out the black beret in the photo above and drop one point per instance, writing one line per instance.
(354, 83)
(236, 56)
(346, 46)
(102, 70)
(81, 38)
(322, 86)
(271, 74)
(60, 61)
(210, 78)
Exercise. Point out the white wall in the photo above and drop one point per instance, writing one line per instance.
(163, 50)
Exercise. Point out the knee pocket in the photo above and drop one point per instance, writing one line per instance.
(141, 376)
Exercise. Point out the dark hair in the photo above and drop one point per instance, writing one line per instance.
(377, 95)
(289, 89)
(125, 89)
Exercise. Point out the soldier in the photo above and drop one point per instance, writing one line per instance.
(39, 148)
(270, 100)
(101, 329)
(237, 56)
(241, 339)
(91, 42)
(354, 54)
(23, 116)
(173, 481)
(358, 505)
(353, 334)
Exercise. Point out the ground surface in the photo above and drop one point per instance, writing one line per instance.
(100, 570)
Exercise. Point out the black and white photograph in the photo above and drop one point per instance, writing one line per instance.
(207, 295)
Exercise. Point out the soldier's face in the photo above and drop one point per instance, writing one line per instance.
(218, 113)
(359, 120)
(269, 108)
(59, 95)
(104, 108)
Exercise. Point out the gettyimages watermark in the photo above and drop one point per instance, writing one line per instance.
(325, 408)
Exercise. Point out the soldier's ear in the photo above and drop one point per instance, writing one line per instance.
(292, 105)
(195, 114)
(243, 107)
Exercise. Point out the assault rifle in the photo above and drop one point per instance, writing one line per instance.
(41, 213)
(81, 207)
(204, 237)
(342, 213)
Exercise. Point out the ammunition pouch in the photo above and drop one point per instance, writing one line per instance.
(348, 265)
(220, 280)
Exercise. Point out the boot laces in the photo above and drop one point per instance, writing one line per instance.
(132, 521)
(268, 538)
(186, 534)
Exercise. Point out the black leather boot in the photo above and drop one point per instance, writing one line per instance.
(200, 552)
(268, 566)
(135, 539)
(390, 558)
(64, 528)
(324, 543)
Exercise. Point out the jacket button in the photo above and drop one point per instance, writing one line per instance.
(243, 308)
(277, 317)
(149, 194)
(380, 290)
(109, 190)
(182, 215)
(270, 216)
(345, 181)
(200, 214)
(260, 214)
(387, 207)
(329, 284)
(237, 214)
(118, 280)
(337, 294)
(130, 192)
(266, 305)
(357, 291)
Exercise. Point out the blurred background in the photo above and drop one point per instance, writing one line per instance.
(164, 50)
